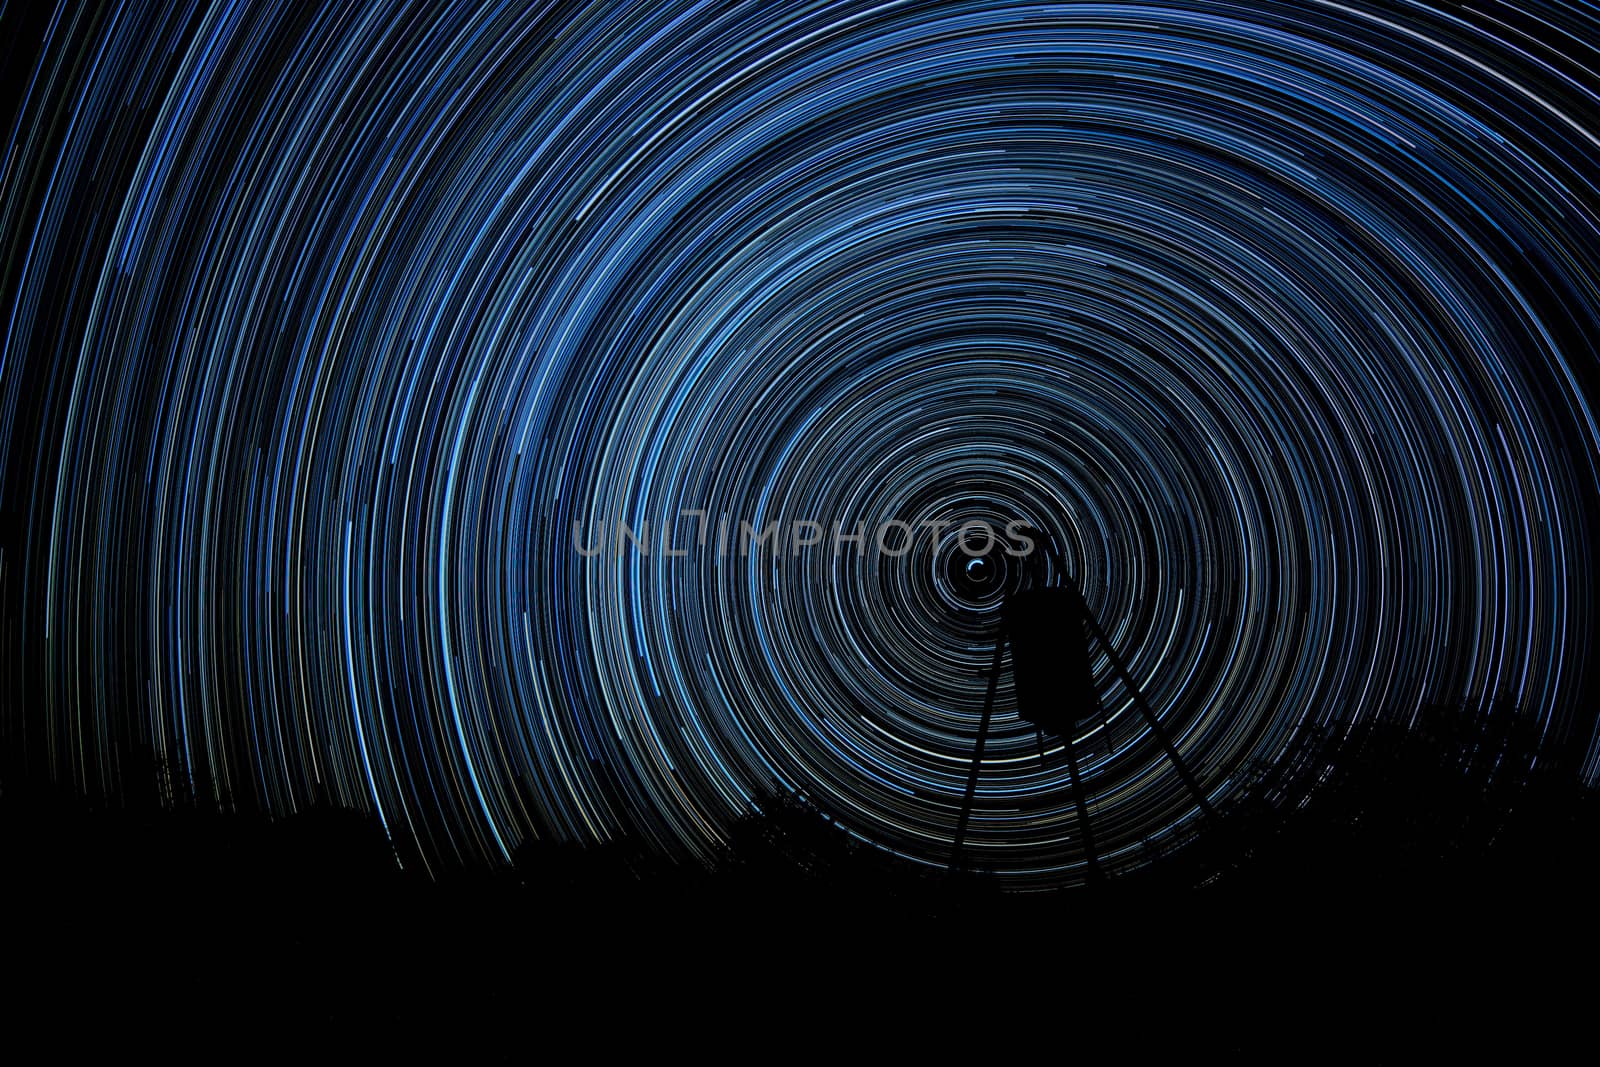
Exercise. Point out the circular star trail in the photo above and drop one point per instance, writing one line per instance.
(329, 329)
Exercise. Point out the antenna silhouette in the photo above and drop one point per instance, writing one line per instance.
(1053, 677)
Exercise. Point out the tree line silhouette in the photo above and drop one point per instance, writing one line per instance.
(1446, 797)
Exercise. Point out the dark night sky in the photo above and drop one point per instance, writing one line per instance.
(330, 331)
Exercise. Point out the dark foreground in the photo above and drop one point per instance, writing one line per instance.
(1391, 895)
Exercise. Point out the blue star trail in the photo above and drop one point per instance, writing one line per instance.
(327, 325)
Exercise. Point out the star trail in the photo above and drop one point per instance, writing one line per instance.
(327, 325)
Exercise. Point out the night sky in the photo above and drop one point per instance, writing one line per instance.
(328, 328)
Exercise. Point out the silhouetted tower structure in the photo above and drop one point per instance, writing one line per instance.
(1050, 629)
